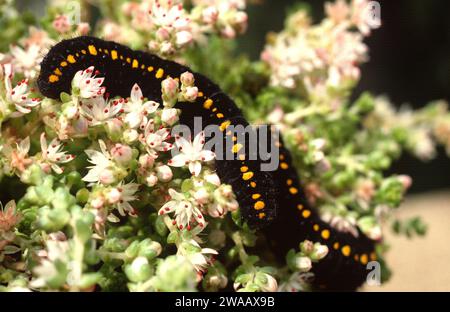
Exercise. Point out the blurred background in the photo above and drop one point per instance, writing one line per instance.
(410, 63)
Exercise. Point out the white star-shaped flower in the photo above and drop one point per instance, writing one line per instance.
(53, 155)
(185, 211)
(87, 84)
(155, 141)
(137, 110)
(99, 111)
(191, 154)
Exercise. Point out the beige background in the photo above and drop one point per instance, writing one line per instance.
(421, 264)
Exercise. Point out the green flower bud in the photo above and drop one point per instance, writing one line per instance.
(89, 280)
(149, 249)
(132, 250)
(82, 195)
(139, 270)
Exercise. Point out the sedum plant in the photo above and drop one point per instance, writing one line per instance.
(93, 200)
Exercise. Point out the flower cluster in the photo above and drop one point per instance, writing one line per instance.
(102, 193)
(167, 26)
(320, 59)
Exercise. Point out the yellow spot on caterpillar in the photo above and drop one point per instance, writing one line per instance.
(256, 196)
(135, 64)
(299, 206)
(373, 256)
(63, 63)
(284, 165)
(356, 257)
(281, 157)
(364, 259)
(121, 57)
(346, 250)
(247, 176)
(253, 184)
(77, 54)
(306, 213)
(219, 115)
(316, 227)
(114, 54)
(293, 190)
(234, 138)
(244, 169)
(150, 68)
(159, 73)
(100, 49)
(71, 59)
(142, 66)
(224, 125)
(261, 215)
(208, 103)
(259, 205)
(106, 51)
(214, 109)
(289, 182)
(200, 94)
(83, 51)
(53, 78)
(128, 60)
(236, 148)
(58, 72)
(325, 234)
(336, 246)
(242, 157)
(92, 50)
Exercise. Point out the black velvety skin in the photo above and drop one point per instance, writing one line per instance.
(286, 226)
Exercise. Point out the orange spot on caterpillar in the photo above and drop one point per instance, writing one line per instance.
(92, 49)
(261, 215)
(253, 184)
(364, 259)
(259, 205)
(208, 103)
(224, 125)
(293, 190)
(114, 55)
(325, 234)
(256, 196)
(160, 73)
(63, 64)
(346, 250)
(284, 165)
(244, 169)
(306, 213)
(53, 78)
(316, 227)
(247, 176)
(71, 59)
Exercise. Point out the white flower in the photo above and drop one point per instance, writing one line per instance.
(52, 154)
(99, 111)
(184, 210)
(191, 154)
(200, 258)
(102, 171)
(137, 110)
(17, 96)
(87, 85)
(18, 158)
(127, 194)
(27, 60)
(154, 141)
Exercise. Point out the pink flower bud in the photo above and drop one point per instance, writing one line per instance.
(190, 94)
(146, 161)
(210, 15)
(169, 116)
(162, 34)
(61, 24)
(183, 38)
(406, 181)
(97, 202)
(213, 179)
(169, 88)
(151, 180)
(164, 173)
(113, 196)
(83, 28)
(187, 79)
(122, 154)
(201, 196)
(107, 177)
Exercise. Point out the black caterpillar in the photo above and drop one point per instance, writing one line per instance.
(259, 193)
